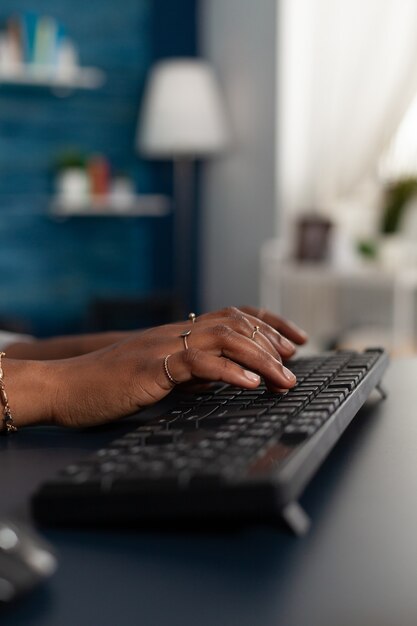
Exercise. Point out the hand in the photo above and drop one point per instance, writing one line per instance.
(121, 379)
(76, 345)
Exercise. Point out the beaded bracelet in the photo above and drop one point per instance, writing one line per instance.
(9, 427)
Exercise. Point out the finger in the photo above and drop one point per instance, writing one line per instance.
(187, 365)
(246, 323)
(213, 335)
(261, 361)
(261, 333)
(285, 327)
(238, 321)
(223, 340)
(284, 347)
(261, 338)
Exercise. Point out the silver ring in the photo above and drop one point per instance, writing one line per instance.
(256, 329)
(168, 373)
(192, 317)
(184, 336)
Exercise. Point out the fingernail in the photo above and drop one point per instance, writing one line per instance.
(288, 375)
(252, 376)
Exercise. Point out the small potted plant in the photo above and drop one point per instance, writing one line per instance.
(393, 245)
(72, 182)
(398, 195)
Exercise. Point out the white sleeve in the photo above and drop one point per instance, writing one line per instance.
(6, 338)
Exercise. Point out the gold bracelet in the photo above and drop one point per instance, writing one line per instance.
(9, 426)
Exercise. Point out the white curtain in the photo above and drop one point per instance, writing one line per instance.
(347, 73)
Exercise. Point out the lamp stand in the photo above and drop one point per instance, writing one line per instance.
(183, 232)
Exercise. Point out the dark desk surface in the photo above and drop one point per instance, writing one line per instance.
(358, 565)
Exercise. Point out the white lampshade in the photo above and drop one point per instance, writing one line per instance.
(183, 112)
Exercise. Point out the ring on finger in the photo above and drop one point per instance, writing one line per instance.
(256, 329)
(184, 336)
(168, 373)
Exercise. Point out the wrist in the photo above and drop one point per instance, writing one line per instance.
(31, 391)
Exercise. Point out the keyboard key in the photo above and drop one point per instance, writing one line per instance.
(170, 436)
(323, 406)
(295, 434)
(343, 383)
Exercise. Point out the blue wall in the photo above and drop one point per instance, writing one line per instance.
(50, 271)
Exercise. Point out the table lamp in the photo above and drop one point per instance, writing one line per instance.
(182, 118)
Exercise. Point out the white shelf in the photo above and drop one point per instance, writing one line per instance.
(141, 206)
(80, 78)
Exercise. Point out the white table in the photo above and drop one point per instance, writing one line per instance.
(329, 301)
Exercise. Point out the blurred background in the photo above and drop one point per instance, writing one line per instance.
(159, 157)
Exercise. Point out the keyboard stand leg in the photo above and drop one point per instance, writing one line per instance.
(382, 392)
(296, 519)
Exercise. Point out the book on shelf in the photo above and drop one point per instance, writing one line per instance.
(38, 43)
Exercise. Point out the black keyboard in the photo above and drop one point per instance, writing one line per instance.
(224, 455)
